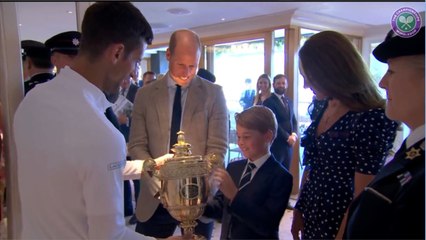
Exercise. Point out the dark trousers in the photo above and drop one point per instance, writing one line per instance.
(128, 203)
(163, 225)
(136, 185)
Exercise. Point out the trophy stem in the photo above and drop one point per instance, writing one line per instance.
(188, 229)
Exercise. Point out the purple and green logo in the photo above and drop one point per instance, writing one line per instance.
(406, 22)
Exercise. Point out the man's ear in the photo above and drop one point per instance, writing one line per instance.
(29, 63)
(115, 52)
(168, 54)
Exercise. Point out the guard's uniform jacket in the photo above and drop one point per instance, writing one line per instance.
(37, 79)
(396, 200)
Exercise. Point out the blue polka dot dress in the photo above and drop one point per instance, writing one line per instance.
(357, 142)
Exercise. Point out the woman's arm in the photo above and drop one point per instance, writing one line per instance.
(361, 181)
(298, 222)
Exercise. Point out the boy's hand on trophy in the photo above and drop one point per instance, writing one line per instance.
(225, 183)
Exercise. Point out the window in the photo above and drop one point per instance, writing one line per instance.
(278, 53)
(233, 63)
(305, 95)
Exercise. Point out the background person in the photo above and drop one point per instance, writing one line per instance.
(63, 48)
(282, 106)
(36, 64)
(247, 96)
(147, 78)
(263, 89)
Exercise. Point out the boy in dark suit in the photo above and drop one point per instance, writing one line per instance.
(254, 192)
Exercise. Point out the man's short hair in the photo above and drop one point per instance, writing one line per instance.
(148, 73)
(174, 39)
(106, 23)
(278, 76)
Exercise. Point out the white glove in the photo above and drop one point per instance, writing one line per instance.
(160, 160)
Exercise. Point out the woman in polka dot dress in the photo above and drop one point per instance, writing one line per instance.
(348, 140)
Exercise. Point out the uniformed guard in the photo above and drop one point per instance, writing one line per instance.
(37, 67)
(392, 206)
(63, 47)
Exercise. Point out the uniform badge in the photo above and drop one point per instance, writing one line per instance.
(413, 153)
(404, 178)
(75, 42)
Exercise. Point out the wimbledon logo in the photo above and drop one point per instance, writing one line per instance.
(406, 22)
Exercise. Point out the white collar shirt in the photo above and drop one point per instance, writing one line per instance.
(258, 162)
(415, 136)
(171, 86)
(70, 160)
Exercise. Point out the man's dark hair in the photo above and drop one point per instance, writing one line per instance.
(278, 76)
(148, 73)
(41, 62)
(106, 23)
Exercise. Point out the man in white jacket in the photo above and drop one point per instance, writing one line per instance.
(71, 171)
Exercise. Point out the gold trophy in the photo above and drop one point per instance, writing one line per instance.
(184, 184)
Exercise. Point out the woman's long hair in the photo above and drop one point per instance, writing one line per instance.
(257, 99)
(333, 66)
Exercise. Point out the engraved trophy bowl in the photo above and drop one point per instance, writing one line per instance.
(184, 184)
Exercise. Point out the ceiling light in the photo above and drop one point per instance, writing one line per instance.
(222, 19)
(179, 11)
(70, 12)
(20, 24)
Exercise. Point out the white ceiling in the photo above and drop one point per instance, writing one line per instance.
(41, 20)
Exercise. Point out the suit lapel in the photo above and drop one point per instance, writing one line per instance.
(264, 171)
(161, 95)
(192, 102)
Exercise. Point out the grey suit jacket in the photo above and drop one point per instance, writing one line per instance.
(205, 123)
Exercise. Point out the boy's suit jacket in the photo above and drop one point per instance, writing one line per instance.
(204, 121)
(257, 209)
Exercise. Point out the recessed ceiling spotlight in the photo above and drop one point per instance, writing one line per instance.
(20, 24)
(179, 11)
(222, 19)
(70, 12)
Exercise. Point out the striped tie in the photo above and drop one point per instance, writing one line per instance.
(246, 178)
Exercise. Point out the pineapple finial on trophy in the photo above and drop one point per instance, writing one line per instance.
(181, 148)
